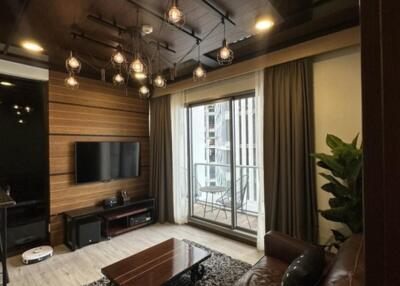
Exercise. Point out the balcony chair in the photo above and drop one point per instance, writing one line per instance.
(225, 201)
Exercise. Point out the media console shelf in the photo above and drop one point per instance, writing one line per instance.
(116, 220)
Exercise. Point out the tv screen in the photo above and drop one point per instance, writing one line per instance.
(105, 161)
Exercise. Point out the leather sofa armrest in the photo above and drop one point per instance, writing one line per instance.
(284, 247)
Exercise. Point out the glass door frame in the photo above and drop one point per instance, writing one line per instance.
(233, 227)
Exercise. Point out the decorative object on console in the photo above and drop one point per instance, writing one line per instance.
(123, 196)
(344, 183)
(110, 202)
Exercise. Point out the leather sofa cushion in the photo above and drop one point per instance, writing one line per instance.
(306, 269)
(347, 268)
(267, 271)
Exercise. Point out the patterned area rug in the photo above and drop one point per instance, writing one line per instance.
(221, 270)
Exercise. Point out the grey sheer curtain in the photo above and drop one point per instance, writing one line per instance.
(161, 158)
(290, 197)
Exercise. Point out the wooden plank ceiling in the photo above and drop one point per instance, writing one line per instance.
(51, 23)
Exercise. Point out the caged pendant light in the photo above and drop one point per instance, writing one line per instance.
(175, 15)
(225, 54)
(199, 73)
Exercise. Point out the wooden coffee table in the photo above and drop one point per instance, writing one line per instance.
(158, 264)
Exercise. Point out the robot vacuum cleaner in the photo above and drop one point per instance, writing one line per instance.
(37, 254)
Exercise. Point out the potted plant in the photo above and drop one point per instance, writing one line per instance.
(344, 176)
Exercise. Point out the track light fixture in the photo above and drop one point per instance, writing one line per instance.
(118, 57)
(137, 65)
(73, 64)
(199, 73)
(71, 81)
(144, 92)
(159, 81)
(175, 14)
(118, 79)
(225, 54)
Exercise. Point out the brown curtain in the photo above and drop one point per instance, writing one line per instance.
(290, 197)
(161, 158)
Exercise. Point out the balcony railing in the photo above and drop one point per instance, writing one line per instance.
(212, 193)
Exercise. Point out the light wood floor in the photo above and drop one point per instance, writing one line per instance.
(83, 265)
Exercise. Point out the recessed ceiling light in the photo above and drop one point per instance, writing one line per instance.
(6, 83)
(263, 24)
(32, 46)
(147, 29)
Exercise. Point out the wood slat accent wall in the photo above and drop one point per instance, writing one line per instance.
(95, 112)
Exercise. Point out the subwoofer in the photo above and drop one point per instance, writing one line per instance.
(88, 231)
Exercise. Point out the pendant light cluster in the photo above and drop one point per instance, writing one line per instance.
(118, 59)
(136, 68)
(139, 66)
(73, 66)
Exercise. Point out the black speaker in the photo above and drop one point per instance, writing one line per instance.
(19, 235)
(88, 231)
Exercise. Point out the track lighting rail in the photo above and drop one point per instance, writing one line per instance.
(95, 41)
(161, 18)
(121, 29)
(215, 9)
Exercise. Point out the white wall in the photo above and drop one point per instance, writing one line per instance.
(337, 104)
(23, 71)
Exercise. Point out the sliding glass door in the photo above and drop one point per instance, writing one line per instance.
(222, 163)
(211, 160)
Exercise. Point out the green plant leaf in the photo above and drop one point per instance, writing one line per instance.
(344, 182)
(354, 142)
(323, 165)
(338, 235)
(337, 202)
(333, 180)
(332, 164)
(333, 142)
(337, 190)
(335, 214)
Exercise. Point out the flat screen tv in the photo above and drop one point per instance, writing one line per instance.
(106, 161)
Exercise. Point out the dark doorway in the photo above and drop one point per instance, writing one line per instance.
(23, 163)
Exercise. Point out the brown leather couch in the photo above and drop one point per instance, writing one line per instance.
(344, 269)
